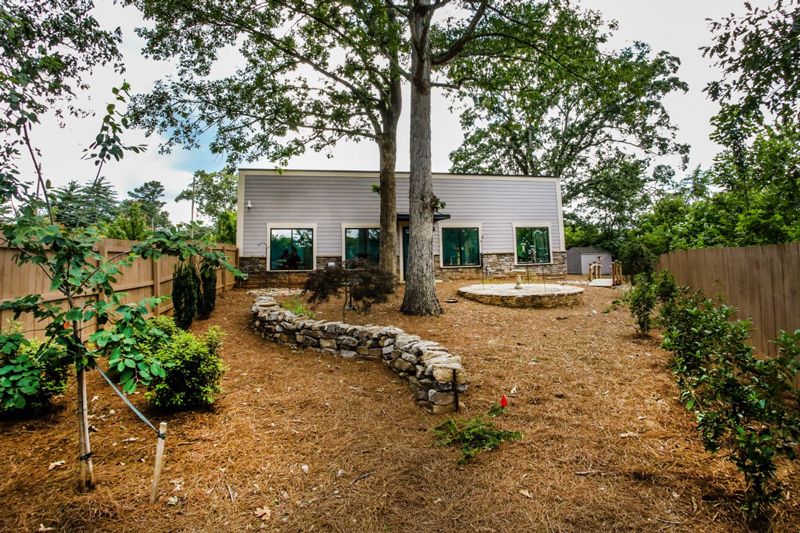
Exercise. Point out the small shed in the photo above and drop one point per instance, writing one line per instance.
(580, 257)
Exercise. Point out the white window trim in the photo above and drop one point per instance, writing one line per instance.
(292, 225)
(355, 225)
(456, 224)
(535, 224)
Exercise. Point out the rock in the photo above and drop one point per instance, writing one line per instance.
(402, 365)
(440, 409)
(327, 343)
(444, 373)
(351, 342)
(348, 354)
(441, 398)
(411, 358)
(403, 340)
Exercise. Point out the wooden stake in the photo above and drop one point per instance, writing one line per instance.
(85, 447)
(162, 429)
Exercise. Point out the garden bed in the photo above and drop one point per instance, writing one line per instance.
(605, 444)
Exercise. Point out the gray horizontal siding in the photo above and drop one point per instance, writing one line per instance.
(330, 201)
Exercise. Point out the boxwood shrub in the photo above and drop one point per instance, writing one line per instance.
(192, 365)
(29, 376)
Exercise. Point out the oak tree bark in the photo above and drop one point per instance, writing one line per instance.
(420, 292)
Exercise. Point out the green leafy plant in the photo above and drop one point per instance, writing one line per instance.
(743, 403)
(368, 284)
(296, 306)
(641, 300)
(665, 287)
(29, 374)
(192, 367)
(472, 436)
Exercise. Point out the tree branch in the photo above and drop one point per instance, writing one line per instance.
(462, 41)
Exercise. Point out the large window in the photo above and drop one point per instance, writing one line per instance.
(460, 247)
(532, 244)
(291, 249)
(362, 243)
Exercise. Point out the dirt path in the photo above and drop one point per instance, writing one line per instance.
(606, 446)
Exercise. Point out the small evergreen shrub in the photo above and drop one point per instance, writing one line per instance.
(368, 284)
(641, 300)
(184, 294)
(199, 297)
(208, 280)
(472, 436)
(31, 373)
(193, 369)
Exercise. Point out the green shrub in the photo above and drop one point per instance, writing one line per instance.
(368, 284)
(665, 286)
(30, 374)
(641, 300)
(472, 436)
(743, 404)
(193, 370)
(158, 332)
(184, 295)
(208, 280)
(296, 306)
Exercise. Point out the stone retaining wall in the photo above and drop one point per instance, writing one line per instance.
(430, 370)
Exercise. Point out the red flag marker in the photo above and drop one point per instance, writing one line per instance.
(504, 402)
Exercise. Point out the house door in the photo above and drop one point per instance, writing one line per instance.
(405, 231)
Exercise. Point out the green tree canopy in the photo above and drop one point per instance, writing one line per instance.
(149, 197)
(91, 204)
(567, 108)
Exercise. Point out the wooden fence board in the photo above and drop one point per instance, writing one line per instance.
(143, 279)
(762, 282)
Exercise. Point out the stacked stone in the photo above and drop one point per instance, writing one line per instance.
(435, 376)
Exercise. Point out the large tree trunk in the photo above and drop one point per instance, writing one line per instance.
(420, 294)
(388, 192)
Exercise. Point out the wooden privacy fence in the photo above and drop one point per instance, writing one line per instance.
(763, 282)
(144, 278)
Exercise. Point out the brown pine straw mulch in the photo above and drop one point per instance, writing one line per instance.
(606, 445)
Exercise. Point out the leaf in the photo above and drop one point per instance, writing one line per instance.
(56, 464)
(263, 513)
(526, 493)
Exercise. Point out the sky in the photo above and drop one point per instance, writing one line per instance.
(678, 26)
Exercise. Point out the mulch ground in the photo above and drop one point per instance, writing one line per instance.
(327, 444)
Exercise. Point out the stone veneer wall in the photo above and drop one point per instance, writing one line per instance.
(496, 266)
(430, 370)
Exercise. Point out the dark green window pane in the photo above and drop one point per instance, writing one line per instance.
(362, 243)
(461, 247)
(291, 249)
(533, 245)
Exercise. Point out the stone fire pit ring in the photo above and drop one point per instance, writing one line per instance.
(528, 295)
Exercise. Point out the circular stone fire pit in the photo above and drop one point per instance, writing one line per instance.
(537, 295)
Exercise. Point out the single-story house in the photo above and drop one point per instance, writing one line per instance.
(580, 257)
(299, 220)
